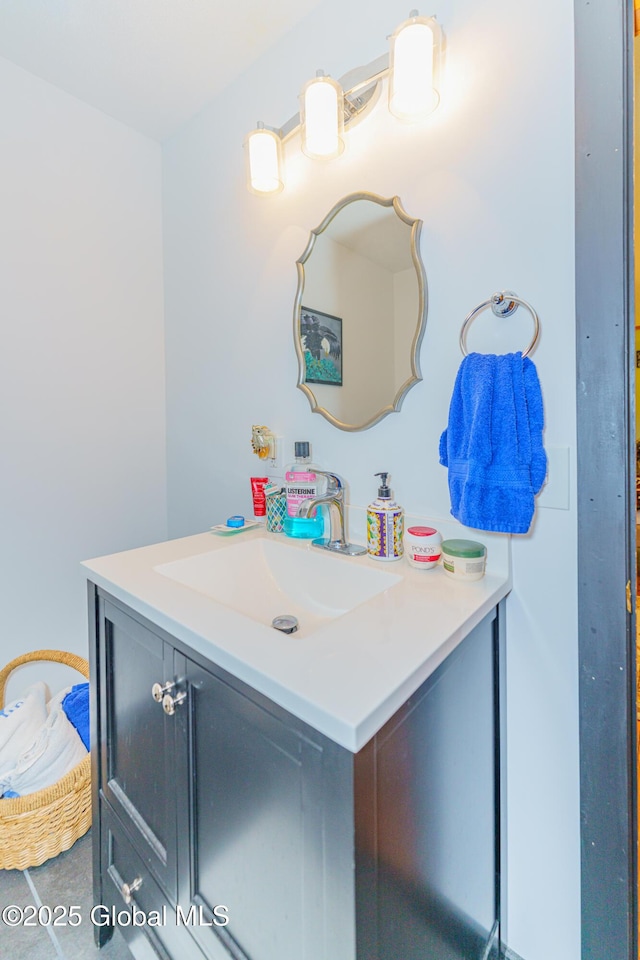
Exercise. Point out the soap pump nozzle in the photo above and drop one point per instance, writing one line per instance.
(383, 489)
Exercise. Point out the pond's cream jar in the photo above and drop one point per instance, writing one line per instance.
(422, 547)
(464, 559)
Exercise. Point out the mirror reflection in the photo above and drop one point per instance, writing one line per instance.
(360, 311)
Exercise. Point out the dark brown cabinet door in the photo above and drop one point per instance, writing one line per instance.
(256, 822)
(139, 745)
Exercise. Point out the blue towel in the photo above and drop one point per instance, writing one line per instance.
(76, 707)
(493, 442)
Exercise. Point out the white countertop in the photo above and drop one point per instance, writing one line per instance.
(350, 675)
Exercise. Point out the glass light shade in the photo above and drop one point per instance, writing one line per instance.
(322, 117)
(264, 161)
(413, 63)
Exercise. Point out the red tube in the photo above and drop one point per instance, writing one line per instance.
(259, 497)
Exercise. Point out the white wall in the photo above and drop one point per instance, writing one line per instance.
(491, 175)
(82, 422)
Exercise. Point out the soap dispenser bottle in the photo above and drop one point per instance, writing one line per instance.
(385, 524)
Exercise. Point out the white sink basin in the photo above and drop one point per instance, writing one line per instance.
(263, 579)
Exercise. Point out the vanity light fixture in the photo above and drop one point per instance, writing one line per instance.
(328, 106)
(322, 117)
(264, 160)
(412, 91)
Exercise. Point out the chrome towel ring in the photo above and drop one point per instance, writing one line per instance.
(503, 305)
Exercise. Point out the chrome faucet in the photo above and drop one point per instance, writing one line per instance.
(333, 499)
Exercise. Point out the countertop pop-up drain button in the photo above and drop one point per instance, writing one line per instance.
(286, 623)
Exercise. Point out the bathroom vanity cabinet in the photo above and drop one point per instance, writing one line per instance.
(226, 805)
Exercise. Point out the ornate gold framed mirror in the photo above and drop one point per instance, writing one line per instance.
(360, 311)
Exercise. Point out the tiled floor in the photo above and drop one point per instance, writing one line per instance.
(66, 881)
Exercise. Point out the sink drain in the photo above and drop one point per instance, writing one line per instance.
(285, 623)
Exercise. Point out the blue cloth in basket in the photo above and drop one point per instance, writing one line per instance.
(76, 707)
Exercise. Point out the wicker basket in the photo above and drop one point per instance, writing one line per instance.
(41, 825)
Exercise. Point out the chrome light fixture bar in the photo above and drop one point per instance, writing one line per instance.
(327, 106)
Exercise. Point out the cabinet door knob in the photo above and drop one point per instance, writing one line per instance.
(158, 690)
(170, 703)
(128, 889)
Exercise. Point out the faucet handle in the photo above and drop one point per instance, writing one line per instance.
(334, 483)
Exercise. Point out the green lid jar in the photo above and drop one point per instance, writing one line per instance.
(464, 559)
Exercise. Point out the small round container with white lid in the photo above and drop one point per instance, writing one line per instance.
(464, 559)
(422, 547)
